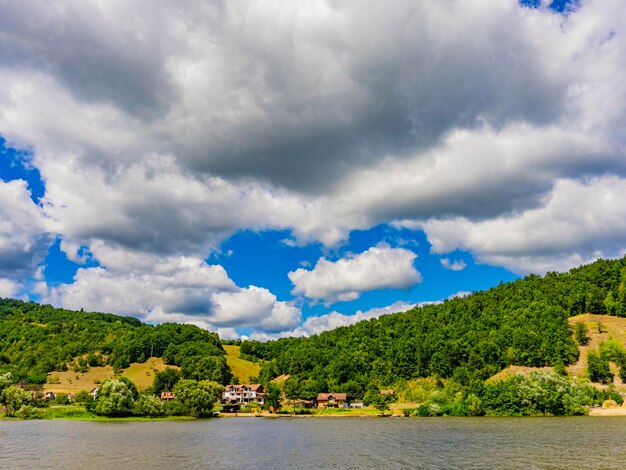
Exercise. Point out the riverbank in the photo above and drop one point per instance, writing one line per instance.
(617, 411)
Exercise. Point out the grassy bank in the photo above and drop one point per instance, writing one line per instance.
(79, 413)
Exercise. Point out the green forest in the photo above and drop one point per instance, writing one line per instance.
(442, 355)
(37, 339)
(468, 339)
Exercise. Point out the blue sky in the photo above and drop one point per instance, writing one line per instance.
(263, 258)
(277, 168)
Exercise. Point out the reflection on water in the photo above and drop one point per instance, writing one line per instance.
(360, 443)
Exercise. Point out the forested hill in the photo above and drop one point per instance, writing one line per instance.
(469, 339)
(37, 339)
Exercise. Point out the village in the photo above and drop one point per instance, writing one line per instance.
(241, 399)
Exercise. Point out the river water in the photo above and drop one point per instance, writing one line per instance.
(325, 443)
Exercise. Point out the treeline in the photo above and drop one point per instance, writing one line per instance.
(117, 397)
(37, 339)
(469, 339)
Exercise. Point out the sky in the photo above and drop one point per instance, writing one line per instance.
(276, 168)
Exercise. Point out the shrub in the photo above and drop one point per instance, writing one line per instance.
(116, 397)
(28, 412)
(598, 368)
(148, 405)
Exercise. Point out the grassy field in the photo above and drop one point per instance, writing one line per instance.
(601, 328)
(612, 327)
(240, 367)
(141, 374)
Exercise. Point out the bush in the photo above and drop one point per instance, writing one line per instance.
(62, 399)
(148, 405)
(29, 412)
(581, 333)
(116, 397)
(83, 397)
(598, 368)
(197, 398)
(541, 393)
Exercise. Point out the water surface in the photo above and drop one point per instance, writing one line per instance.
(329, 443)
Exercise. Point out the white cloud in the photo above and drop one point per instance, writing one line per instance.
(579, 222)
(173, 289)
(458, 265)
(23, 238)
(332, 320)
(380, 267)
(8, 288)
(274, 115)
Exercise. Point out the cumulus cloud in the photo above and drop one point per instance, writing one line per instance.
(380, 267)
(284, 115)
(8, 288)
(452, 265)
(173, 289)
(23, 239)
(579, 222)
(332, 320)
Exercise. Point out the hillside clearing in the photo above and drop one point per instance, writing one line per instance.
(142, 374)
(240, 367)
(610, 326)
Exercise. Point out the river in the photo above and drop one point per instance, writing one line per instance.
(325, 443)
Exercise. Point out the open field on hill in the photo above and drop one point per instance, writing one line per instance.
(142, 374)
(601, 328)
(240, 367)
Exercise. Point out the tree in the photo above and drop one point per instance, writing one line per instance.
(581, 333)
(116, 397)
(378, 400)
(6, 380)
(272, 397)
(598, 368)
(291, 388)
(197, 398)
(13, 398)
(165, 380)
(148, 405)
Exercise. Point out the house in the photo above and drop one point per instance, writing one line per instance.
(243, 394)
(357, 404)
(49, 396)
(388, 392)
(332, 400)
(94, 391)
(304, 403)
(71, 396)
(168, 396)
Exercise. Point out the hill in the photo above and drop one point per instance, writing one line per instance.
(36, 340)
(240, 367)
(522, 323)
(142, 375)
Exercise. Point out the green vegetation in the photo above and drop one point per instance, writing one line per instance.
(38, 339)
(117, 398)
(581, 333)
(240, 367)
(439, 358)
(469, 339)
(197, 398)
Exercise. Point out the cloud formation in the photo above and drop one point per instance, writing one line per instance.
(318, 324)
(23, 238)
(452, 265)
(380, 267)
(173, 289)
(161, 129)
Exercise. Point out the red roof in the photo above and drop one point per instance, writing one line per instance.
(253, 387)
